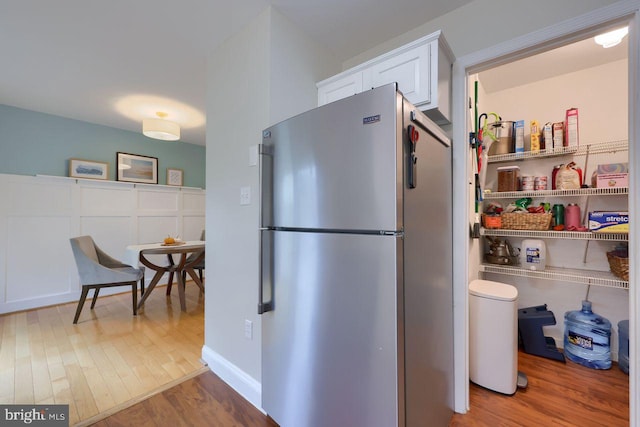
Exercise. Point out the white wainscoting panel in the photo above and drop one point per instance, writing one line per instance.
(111, 234)
(35, 197)
(156, 228)
(40, 214)
(192, 226)
(193, 201)
(158, 200)
(107, 201)
(37, 257)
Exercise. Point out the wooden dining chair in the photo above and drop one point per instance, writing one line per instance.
(98, 270)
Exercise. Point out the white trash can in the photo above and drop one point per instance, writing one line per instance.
(493, 335)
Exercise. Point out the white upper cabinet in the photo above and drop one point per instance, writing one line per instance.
(339, 88)
(422, 70)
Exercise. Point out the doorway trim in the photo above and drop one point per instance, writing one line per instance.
(547, 38)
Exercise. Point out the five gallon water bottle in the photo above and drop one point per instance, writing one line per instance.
(587, 338)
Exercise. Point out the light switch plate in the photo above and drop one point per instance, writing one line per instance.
(245, 195)
(253, 155)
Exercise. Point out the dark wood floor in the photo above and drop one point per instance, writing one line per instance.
(204, 400)
(558, 395)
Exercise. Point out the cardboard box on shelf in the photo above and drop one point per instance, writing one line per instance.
(612, 175)
(571, 137)
(613, 180)
(535, 136)
(519, 136)
(558, 136)
(609, 222)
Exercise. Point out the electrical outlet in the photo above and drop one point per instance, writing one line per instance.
(248, 329)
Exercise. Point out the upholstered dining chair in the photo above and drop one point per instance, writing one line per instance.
(199, 266)
(98, 270)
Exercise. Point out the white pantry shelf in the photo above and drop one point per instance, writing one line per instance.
(585, 277)
(549, 234)
(581, 150)
(615, 191)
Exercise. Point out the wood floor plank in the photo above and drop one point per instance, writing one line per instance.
(7, 360)
(81, 392)
(22, 336)
(23, 382)
(99, 390)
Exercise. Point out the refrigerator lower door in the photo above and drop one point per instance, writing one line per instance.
(330, 344)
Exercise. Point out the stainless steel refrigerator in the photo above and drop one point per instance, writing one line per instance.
(355, 266)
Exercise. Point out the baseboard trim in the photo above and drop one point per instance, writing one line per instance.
(240, 381)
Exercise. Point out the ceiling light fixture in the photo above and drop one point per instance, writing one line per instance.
(611, 38)
(161, 128)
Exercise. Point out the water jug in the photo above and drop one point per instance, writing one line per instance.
(587, 338)
(623, 346)
(533, 254)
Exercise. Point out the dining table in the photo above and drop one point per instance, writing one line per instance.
(159, 257)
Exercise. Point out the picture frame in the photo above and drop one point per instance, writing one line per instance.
(88, 169)
(175, 177)
(137, 168)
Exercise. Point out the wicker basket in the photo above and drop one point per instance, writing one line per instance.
(526, 221)
(619, 265)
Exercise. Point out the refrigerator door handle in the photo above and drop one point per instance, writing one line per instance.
(266, 220)
(265, 165)
(265, 271)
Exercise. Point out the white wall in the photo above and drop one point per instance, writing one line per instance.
(484, 23)
(264, 74)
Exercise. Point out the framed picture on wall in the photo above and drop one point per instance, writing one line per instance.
(137, 168)
(90, 169)
(175, 177)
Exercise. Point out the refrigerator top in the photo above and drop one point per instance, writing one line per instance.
(338, 167)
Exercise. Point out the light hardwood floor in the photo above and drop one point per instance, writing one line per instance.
(108, 359)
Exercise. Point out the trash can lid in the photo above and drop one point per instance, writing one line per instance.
(493, 290)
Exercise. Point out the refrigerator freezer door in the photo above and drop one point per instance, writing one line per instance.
(330, 345)
(338, 166)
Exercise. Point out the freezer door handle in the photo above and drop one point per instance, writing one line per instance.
(266, 183)
(425, 123)
(266, 272)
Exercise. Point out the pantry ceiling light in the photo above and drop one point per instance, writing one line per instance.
(611, 38)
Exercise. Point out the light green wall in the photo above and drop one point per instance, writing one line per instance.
(34, 143)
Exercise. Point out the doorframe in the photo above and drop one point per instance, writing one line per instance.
(556, 35)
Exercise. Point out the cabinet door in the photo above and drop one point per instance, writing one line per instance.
(411, 70)
(343, 87)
